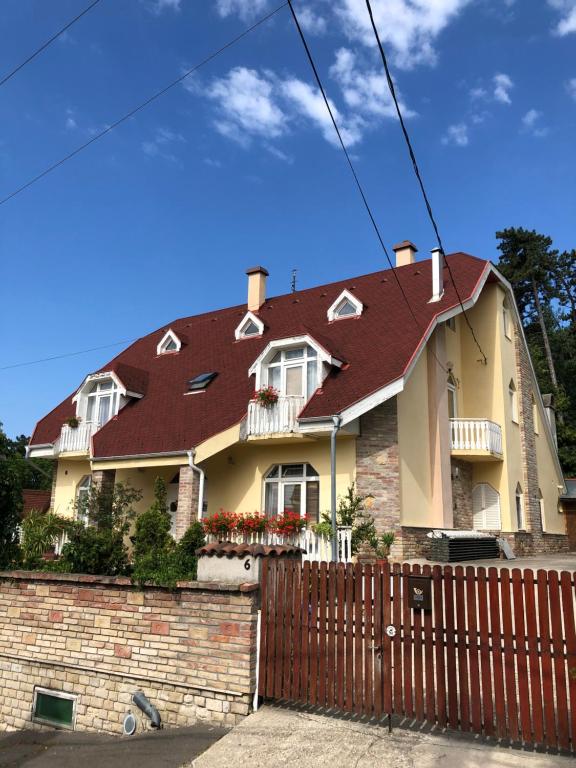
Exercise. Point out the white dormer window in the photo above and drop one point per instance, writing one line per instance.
(250, 326)
(346, 305)
(169, 343)
(294, 372)
(102, 402)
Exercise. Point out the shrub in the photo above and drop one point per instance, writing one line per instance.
(323, 529)
(154, 547)
(40, 531)
(192, 540)
(99, 546)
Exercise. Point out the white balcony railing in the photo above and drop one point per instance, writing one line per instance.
(76, 438)
(318, 548)
(475, 435)
(280, 417)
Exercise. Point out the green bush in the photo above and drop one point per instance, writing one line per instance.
(192, 540)
(40, 532)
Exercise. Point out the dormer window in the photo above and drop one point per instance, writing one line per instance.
(102, 402)
(294, 372)
(251, 325)
(346, 305)
(168, 343)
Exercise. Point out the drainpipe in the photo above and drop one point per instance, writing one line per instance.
(337, 421)
(193, 466)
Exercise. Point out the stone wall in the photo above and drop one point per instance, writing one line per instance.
(192, 651)
(378, 465)
(462, 494)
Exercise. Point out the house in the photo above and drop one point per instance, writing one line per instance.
(418, 377)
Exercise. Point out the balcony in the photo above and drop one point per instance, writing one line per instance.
(75, 439)
(280, 418)
(479, 438)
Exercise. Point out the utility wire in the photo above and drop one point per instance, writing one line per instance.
(354, 174)
(47, 43)
(67, 354)
(418, 175)
(142, 105)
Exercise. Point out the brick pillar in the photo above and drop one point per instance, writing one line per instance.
(378, 465)
(188, 494)
(524, 388)
(104, 479)
(462, 494)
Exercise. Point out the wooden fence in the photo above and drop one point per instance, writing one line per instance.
(496, 654)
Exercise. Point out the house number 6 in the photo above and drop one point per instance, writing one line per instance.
(391, 630)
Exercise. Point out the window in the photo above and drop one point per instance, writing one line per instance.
(513, 398)
(294, 372)
(535, 415)
(54, 708)
(507, 319)
(199, 383)
(452, 398)
(250, 326)
(486, 508)
(292, 487)
(346, 305)
(451, 323)
(519, 496)
(102, 402)
(82, 496)
(541, 506)
(168, 343)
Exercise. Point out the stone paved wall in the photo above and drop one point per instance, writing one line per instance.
(462, 494)
(192, 651)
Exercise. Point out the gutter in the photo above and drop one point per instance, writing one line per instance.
(336, 421)
(191, 455)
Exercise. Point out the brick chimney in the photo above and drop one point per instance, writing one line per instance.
(256, 287)
(405, 253)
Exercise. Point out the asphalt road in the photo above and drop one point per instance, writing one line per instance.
(169, 748)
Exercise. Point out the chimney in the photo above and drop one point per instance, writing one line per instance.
(405, 253)
(256, 287)
(437, 275)
(550, 415)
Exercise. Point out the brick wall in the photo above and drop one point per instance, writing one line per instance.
(378, 466)
(188, 495)
(462, 494)
(192, 651)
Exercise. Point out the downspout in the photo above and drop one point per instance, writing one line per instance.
(193, 466)
(337, 421)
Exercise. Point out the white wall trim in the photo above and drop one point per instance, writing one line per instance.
(168, 336)
(345, 296)
(293, 341)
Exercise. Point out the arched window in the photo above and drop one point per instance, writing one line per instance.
(519, 496)
(513, 399)
(294, 372)
(535, 414)
(292, 487)
(507, 319)
(168, 343)
(541, 506)
(82, 497)
(486, 508)
(102, 402)
(452, 397)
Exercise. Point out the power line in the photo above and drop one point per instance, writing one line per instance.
(418, 175)
(142, 105)
(47, 43)
(353, 170)
(67, 354)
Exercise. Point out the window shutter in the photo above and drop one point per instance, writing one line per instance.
(486, 508)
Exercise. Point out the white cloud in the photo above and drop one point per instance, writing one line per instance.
(364, 90)
(159, 145)
(478, 94)
(246, 9)
(456, 135)
(247, 105)
(567, 23)
(310, 21)
(159, 6)
(71, 123)
(502, 87)
(409, 27)
(532, 123)
(571, 88)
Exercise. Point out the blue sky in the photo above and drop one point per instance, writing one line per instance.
(161, 217)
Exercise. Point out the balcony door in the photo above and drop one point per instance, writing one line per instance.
(102, 402)
(294, 372)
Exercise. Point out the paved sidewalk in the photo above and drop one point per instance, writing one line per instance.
(284, 737)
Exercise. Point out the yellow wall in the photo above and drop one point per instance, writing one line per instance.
(142, 479)
(234, 477)
(548, 481)
(414, 448)
(69, 474)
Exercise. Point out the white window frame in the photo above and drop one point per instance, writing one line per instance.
(507, 319)
(73, 697)
(82, 487)
(481, 488)
(100, 394)
(345, 296)
(168, 337)
(248, 318)
(301, 480)
(513, 397)
(259, 366)
(519, 508)
(535, 420)
(542, 509)
(309, 355)
(452, 387)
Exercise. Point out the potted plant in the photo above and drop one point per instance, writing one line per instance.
(289, 523)
(383, 545)
(221, 524)
(73, 422)
(266, 396)
(252, 523)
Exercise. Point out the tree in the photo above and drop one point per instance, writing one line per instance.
(10, 502)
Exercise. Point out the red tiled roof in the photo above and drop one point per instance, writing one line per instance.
(377, 347)
(35, 499)
(229, 549)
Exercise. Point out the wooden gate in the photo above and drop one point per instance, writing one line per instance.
(495, 655)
